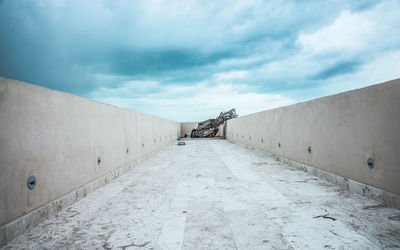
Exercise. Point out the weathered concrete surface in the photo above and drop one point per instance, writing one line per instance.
(213, 194)
(57, 137)
(343, 130)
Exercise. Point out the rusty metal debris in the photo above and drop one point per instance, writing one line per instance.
(209, 128)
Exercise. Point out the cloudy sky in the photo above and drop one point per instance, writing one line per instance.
(188, 60)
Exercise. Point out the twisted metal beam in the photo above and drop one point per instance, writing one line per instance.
(209, 128)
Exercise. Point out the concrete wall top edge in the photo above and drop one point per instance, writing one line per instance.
(76, 96)
(325, 98)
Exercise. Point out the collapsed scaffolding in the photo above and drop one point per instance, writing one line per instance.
(210, 127)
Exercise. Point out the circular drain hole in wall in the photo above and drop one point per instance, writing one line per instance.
(31, 182)
(370, 162)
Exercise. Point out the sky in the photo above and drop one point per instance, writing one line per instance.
(189, 60)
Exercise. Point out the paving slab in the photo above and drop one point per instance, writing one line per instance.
(214, 194)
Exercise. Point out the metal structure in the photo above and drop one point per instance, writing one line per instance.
(209, 128)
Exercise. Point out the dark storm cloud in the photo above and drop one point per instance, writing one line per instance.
(126, 62)
(338, 68)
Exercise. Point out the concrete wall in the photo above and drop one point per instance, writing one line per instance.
(343, 130)
(57, 137)
(220, 131)
(187, 127)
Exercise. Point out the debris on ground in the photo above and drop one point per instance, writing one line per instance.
(181, 143)
(209, 128)
(395, 217)
(375, 206)
(134, 245)
(325, 216)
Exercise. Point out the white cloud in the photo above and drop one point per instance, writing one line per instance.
(373, 29)
(193, 103)
(349, 31)
(231, 75)
(383, 68)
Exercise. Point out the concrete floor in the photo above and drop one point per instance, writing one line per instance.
(213, 194)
